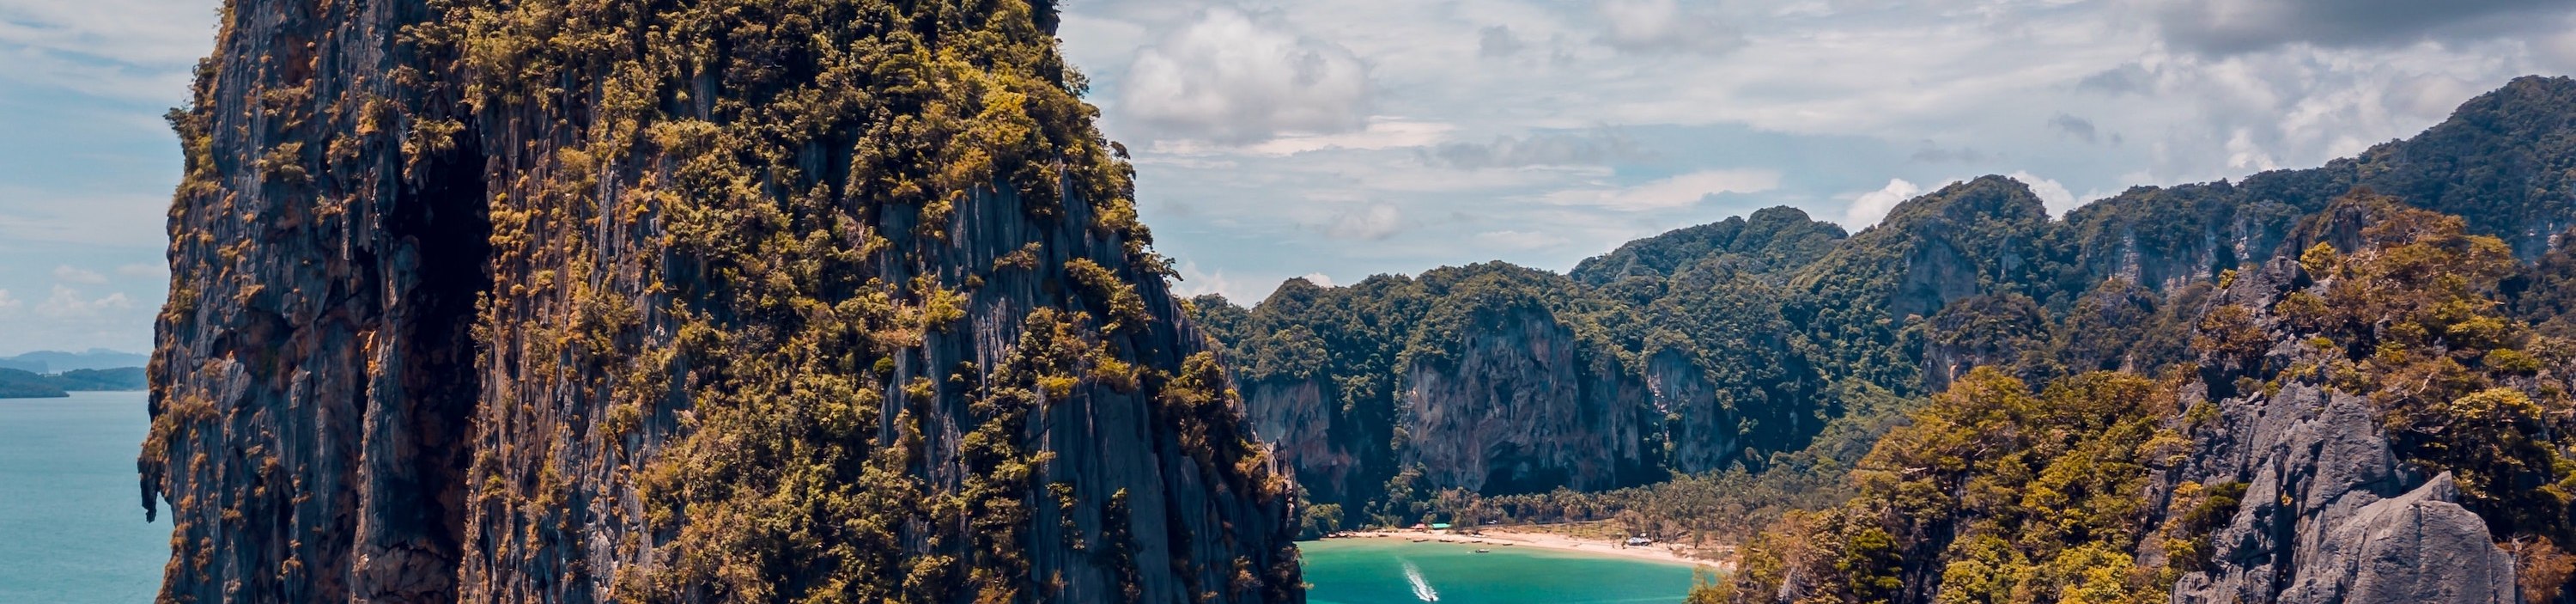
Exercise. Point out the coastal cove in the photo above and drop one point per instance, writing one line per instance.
(1386, 570)
(69, 463)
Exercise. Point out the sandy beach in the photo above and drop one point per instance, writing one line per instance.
(1531, 537)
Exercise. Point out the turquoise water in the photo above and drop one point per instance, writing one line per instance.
(71, 518)
(1389, 571)
(71, 531)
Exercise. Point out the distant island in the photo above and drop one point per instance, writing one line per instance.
(56, 361)
(16, 383)
(55, 374)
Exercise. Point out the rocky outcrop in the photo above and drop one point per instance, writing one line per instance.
(1742, 332)
(2330, 511)
(1299, 417)
(487, 301)
(2311, 461)
(2327, 516)
(1522, 406)
(1700, 429)
(2417, 547)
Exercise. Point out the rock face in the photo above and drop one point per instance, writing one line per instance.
(2418, 547)
(1704, 434)
(2329, 512)
(2327, 517)
(2315, 461)
(1744, 337)
(1298, 420)
(1520, 409)
(489, 301)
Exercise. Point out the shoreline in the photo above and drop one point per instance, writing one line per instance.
(1520, 537)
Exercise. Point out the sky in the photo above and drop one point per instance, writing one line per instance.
(1336, 139)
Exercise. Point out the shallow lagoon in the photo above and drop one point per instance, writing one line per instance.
(1392, 571)
(72, 531)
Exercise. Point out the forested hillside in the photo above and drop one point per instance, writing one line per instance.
(1976, 401)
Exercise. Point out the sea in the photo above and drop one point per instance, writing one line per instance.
(72, 531)
(1393, 571)
(71, 513)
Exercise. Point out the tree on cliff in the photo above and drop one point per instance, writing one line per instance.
(697, 301)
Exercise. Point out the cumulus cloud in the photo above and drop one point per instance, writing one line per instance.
(1231, 76)
(1521, 240)
(1372, 223)
(1931, 154)
(1666, 26)
(2558, 50)
(1548, 149)
(1674, 192)
(1497, 41)
(1381, 133)
(1195, 281)
(68, 304)
(1867, 208)
(2052, 194)
(135, 50)
(2128, 78)
(1319, 279)
(2225, 27)
(67, 274)
(2243, 154)
(2079, 128)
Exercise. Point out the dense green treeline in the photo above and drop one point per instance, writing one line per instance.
(24, 384)
(1994, 493)
(1767, 355)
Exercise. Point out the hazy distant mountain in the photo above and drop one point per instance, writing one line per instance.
(55, 361)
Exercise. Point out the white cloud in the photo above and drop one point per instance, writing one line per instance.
(2051, 194)
(1523, 240)
(1381, 133)
(8, 304)
(1867, 208)
(1194, 281)
(67, 274)
(2243, 154)
(34, 215)
(1675, 192)
(1319, 279)
(1545, 149)
(132, 50)
(2558, 50)
(68, 304)
(1234, 77)
(1375, 222)
(1666, 26)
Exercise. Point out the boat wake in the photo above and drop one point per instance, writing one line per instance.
(1421, 588)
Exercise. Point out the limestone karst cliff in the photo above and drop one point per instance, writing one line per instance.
(1742, 338)
(691, 301)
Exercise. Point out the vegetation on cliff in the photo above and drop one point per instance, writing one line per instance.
(726, 300)
(1897, 401)
(1993, 494)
